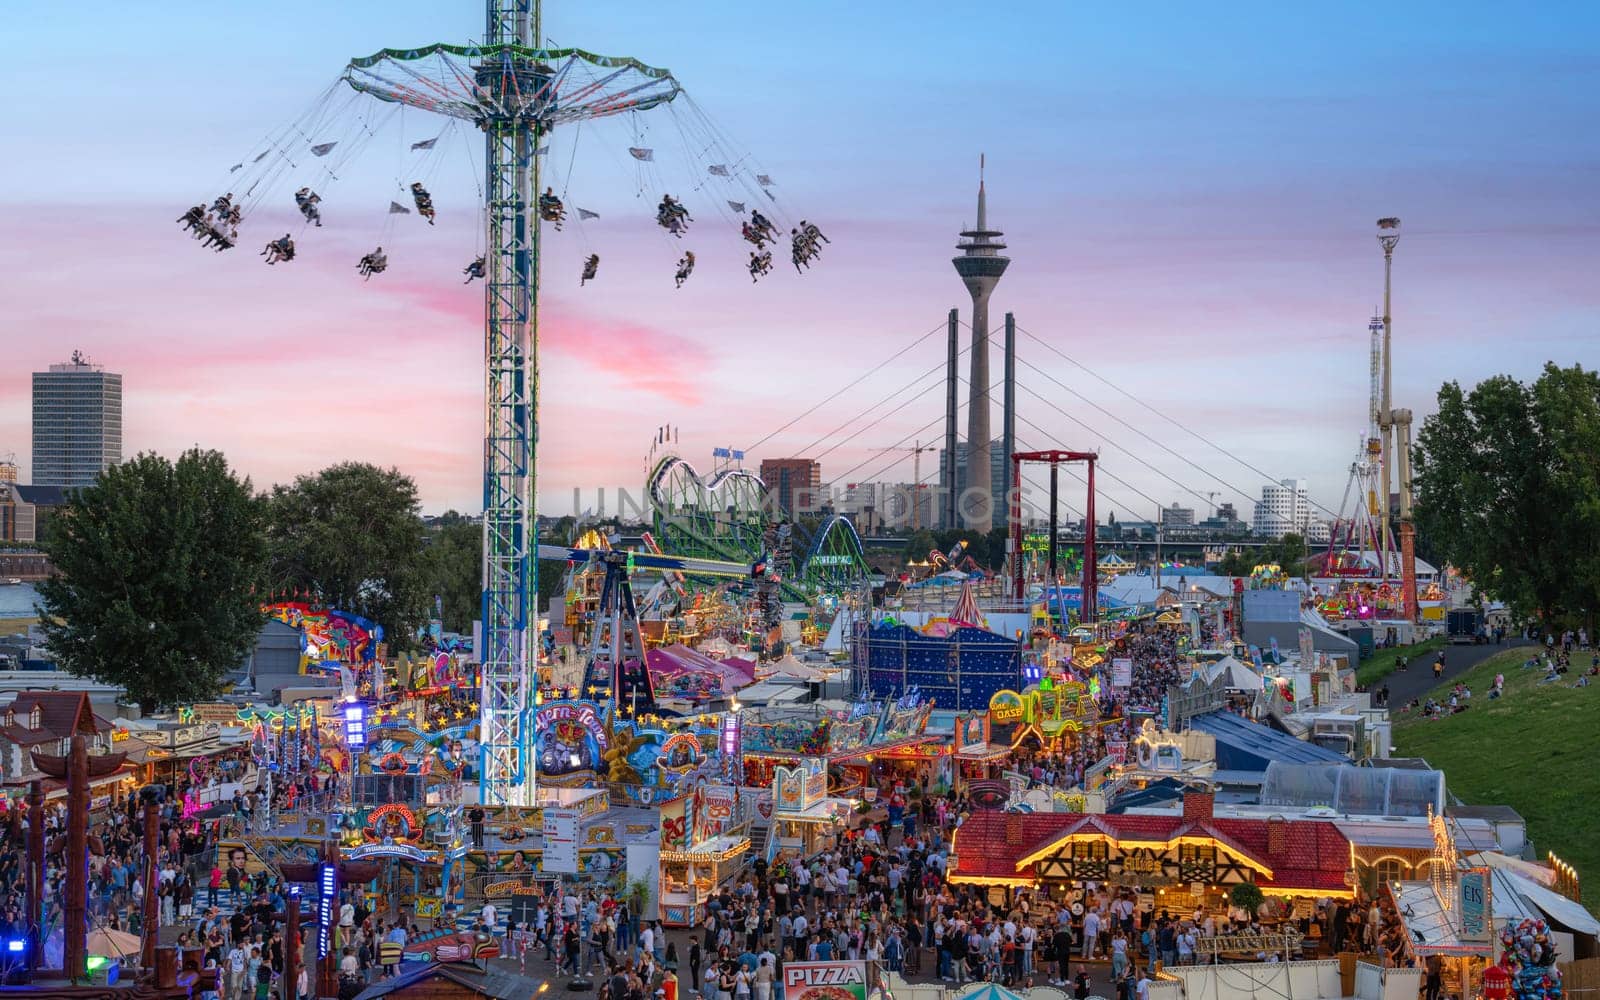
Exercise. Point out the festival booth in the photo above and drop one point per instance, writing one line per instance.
(705, 841)
(853, 745)
(1458, 916)
(1178, 863)
(805, 819)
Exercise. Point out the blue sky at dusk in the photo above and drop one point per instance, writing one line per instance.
(1188, 193)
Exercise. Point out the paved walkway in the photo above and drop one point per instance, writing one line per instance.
(1417, 679)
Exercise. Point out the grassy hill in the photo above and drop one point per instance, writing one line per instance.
(1532, 749)
(1381, 663)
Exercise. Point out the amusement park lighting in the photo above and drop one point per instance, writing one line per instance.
(575, 760)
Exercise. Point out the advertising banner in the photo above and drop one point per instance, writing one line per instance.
(1122, 672)
(560, 841)
(1475, 906)
(825, 981)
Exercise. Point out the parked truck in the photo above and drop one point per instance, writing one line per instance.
(1464, 625)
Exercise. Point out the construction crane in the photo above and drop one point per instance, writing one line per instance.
(916, 451)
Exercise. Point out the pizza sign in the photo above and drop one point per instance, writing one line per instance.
(825, 981)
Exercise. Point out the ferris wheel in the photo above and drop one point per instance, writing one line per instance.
(521, 96)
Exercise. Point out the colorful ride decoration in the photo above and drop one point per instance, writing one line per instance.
(1530, 957)
(329, 637)
(1267, 576)
(830, 732)
(570, 743)
(1361, 602)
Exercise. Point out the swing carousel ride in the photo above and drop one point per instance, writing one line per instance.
(531, 103)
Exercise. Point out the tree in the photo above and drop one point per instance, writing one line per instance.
(159, 565)
(1287, 553)
(351, 537)
(1507, 486)
(455, 570)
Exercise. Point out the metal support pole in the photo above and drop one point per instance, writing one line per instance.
(328, 965)
(1388, 236)
(1091, 563)
(1008, 417)
(150, 796)
(950, 379)
(1050, 560)
(1159, 527)
(36, 928)
(75, 920)
(291, 945)
(1018, 587)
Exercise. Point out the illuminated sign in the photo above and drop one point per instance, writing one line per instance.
(355, 725)
(840, 980)
(1005, 706)
(328, 885)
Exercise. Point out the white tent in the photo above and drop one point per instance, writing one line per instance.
(791, 668)
(1239, 676)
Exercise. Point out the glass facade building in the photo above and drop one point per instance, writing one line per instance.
(77, 423)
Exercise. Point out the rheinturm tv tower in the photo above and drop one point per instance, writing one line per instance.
(980, 266)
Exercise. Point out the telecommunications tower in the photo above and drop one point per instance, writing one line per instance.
(980, 267)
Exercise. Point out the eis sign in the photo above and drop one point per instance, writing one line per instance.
(825, 981)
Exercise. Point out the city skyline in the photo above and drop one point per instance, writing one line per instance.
(1162, 211)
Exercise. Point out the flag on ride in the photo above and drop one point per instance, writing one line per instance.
(323, 149)
(425, 144)
(262, 156)
(763, 180)
(236, 166)
(642, 154)
(737, 206)
(584, 213)
(395, 208)
(541, 151)
(717, 170)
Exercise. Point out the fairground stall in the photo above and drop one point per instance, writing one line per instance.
(858, 748)
(705, 842)
(1178, 863)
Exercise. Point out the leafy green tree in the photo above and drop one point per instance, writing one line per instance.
(455, 570)
(159, 564)
(351, 537)
(1507, 487)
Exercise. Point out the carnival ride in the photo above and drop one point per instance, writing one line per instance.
(730, 517)
(516, 92)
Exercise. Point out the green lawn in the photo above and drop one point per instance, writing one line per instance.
(1381, 663)
(1532, 749)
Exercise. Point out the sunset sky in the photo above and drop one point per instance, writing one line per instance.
(1188, 193)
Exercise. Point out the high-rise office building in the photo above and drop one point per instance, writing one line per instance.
(77, 422)
(795, 483)
(1284, 507)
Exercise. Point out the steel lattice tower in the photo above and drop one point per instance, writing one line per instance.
(511, 402)
(516, 91)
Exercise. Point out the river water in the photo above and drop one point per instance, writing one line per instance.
(17, 602)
